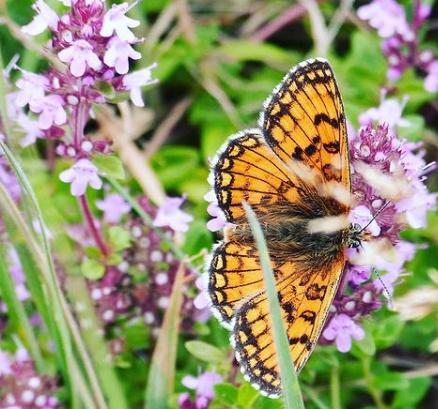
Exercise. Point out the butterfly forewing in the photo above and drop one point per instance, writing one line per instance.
(282, 171)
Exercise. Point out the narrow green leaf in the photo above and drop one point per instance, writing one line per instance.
(160, 383)
(206, 352)
(291, 388)
(17, 313)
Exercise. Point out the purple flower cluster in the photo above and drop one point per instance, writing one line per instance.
(388, 176)
(401, 39)
(21, 387)
(203, 385)
(94, 46)
(140, 285)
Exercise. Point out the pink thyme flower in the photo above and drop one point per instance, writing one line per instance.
(32, 87)
(113, 207)
(116, 21)
(431, 81)
(31, 130)
(80, 56)
(169, 214)
(342, 329)
(5, 364)
(51, 111)
(203, 385)
(218, 221)
(80, 175)
(386, 16)
(362, 216)
(46, 17)
(358, 275)
(118, 54)
(389, 112)
(133, 82)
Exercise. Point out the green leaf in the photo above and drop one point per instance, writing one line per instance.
(367, 345)
(206, 352)
(247, 396)
(92, 269)
(414, 131)
(175, 164)
(390, 381)
(198, 238)
(291, 388)
(388, 331)
(225, 394)
(119, 238)
(109, 166)
(412, 394)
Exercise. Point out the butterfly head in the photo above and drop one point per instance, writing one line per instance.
(357, 235)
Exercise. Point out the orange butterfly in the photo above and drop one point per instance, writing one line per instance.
(294, 171)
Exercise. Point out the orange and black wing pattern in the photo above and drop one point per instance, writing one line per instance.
(301, 146)
(304, 121)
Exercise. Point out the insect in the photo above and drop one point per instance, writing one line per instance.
(294, 171)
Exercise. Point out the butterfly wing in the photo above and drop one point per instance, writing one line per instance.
(234, 274)
(247, 169)
(305, 299)
(304, 121)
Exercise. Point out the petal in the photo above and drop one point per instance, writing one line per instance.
(78, 186)
(190, 382)
(67, 54)
(35, 27)
(93, 61)
(110, 57)
(122, 65)
(95, 182)
(136, 97)
(77, 66)
(67, 176)
(343, 342)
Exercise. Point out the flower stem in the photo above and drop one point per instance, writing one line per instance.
(375, 392)
(94, 230)
(335, 388)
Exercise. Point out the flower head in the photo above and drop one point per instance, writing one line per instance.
(115, 20)
(170, 214)
(51, 110)
(386, 16)
(113, 207)
(80, 175)
(118, 54)
(203, 385)
(342, 329)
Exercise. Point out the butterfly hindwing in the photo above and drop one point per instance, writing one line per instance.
(305, 300)
(304, 121)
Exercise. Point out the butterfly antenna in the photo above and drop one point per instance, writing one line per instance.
(375, 216)
(385, 288)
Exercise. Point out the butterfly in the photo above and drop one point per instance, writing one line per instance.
(294, 171)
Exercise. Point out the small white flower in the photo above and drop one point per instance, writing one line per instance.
(80, 56)
(115, 20)
(133, 82)
(80, 175)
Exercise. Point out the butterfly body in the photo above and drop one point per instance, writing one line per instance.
(294, 172)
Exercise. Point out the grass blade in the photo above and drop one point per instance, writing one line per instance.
(17, 313)
(162, 372)
(291, 388)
